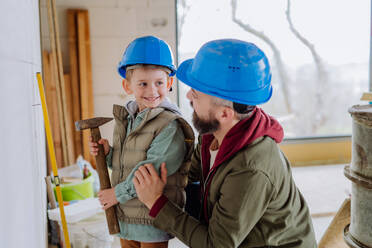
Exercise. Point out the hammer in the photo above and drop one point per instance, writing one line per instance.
(104, 178)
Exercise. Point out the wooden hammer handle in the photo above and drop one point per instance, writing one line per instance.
(104, 181)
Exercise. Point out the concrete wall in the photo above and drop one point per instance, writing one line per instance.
(113, 25)
(23, 218)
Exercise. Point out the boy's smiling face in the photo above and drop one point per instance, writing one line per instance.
(148, 85)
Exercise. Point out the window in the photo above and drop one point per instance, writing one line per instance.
(318, 50)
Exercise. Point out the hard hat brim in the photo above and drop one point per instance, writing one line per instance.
(244, 97)
(123, 69)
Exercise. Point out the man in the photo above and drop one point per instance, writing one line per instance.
(249, 198)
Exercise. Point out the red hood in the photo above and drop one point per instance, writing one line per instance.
(243, 133)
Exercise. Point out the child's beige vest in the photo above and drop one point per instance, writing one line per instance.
(128, 152)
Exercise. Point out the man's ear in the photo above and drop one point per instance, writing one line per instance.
(224, 114)
(126, 87)
(169, 82)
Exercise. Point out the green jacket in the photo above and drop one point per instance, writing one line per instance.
(252, 202)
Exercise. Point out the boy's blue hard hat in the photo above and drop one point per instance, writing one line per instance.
(231, 69)
(147, 50)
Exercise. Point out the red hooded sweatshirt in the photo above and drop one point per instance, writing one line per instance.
(259, 124)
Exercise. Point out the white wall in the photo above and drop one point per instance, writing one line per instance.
(22, 146)
(113, 25)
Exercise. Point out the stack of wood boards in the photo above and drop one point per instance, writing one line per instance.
(81, 72)
(69, 96)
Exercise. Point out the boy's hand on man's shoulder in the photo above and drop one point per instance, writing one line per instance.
(93, 146)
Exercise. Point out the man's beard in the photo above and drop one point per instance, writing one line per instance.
(205, 126)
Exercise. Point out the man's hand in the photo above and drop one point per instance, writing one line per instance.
(107, 198)
(149, 186)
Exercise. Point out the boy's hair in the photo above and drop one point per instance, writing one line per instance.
(130, 69)
(242, 111)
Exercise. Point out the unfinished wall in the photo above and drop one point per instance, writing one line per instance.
(113, 24)
(22, 148)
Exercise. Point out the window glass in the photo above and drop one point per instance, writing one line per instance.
(318, 50)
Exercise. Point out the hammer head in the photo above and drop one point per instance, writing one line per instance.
(91, 123)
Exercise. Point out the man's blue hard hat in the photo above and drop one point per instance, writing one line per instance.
(147, 50)
(231, 69)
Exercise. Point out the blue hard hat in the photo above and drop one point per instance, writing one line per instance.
(231, 69)
(147, 50)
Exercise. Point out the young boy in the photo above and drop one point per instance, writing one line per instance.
(147, 130)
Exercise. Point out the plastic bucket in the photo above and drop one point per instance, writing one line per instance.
(77, 191)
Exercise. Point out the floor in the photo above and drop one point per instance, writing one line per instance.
(323, 187)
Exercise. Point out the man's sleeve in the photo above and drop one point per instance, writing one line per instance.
(195, 172)
(244, 197)
(169, 147)
(109, 158)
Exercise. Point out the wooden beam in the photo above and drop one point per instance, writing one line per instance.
(66, 116)
(58, 77)
(70, 127)
(57, 116)
(318, 152)
(51, 96)
(367, 96)
(333, 236)
(85, 76)
(50, 193)
(46, 78)
(74, 75)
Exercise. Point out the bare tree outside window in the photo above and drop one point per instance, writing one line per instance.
(315, 75)
(282, 70)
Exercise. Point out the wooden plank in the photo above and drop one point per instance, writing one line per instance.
(367, 96)
(317, 152)
(51, 96)
(333, 237)
(50, 193)
(88, 61)
(74, 75)
(85, 77)
(70, 126)
(46, 76)
(66, 115)
(58, 77)
(322, 215)
(57, 117)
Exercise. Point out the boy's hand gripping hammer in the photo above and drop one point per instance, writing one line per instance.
(104, 178)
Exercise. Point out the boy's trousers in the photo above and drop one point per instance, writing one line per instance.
(135, 244)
